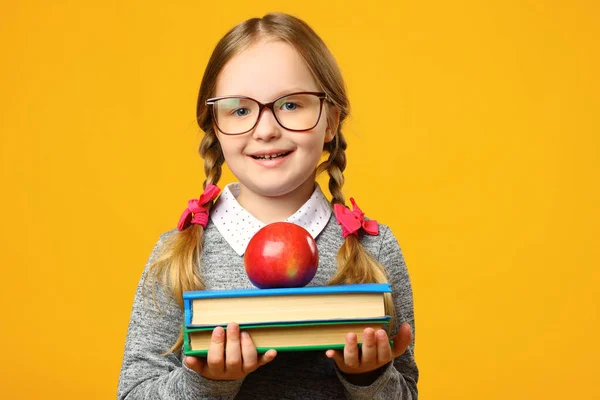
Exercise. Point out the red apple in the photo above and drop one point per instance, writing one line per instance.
(281, 254)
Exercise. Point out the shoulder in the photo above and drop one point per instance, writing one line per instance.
(386, 250)
(391, 257)
(213, 241)
(210, 232)
(168, 234)
(383, 245)
(388, 243)
(163, 239)
(380, 245)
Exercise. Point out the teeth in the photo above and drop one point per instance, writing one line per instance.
(270, 156)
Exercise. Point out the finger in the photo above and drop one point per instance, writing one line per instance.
(249, 355)
(233, 355)
(214, 359)
(402, 340)
(337, 356)
(351, 351)
(194, 363)
(369, 348)
(384, 350)
(267, 357)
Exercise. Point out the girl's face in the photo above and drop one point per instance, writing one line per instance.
(266, 71)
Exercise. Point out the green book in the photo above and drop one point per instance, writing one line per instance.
(287, 337)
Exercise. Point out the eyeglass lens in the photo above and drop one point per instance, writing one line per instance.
(237, 115)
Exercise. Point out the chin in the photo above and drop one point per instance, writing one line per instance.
(273, 188)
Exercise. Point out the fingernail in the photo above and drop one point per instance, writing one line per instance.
(245, 334)
(381, 334)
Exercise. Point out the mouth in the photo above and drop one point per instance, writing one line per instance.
(270, 156)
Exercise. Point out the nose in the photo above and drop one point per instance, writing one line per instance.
(267, 127)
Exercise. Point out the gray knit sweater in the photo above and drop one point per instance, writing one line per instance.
(145, 374)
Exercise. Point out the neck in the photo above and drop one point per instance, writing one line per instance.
(269, 209)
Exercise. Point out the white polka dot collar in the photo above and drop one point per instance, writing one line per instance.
(238, 226)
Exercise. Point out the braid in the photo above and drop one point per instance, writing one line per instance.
(178, 266)
(210, 151)
(335, 166)
(355, 264)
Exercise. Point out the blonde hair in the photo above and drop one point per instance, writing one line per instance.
(178, 264)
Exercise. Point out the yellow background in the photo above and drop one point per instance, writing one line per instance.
(474, 135)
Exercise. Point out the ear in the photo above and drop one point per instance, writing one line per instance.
(333, 122)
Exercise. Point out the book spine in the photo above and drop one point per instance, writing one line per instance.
(187, 350)
(384, 319)
(307, 290)
(337, 346)
(187, 311)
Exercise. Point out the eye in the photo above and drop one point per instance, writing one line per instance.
(288, 106)
(241, 112)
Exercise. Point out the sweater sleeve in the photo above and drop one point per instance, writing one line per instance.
(399, 379)
(153, 329)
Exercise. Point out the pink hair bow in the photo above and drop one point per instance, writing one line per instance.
(352, 221)
(196, 213)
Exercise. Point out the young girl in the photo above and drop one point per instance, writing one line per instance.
(272, 100)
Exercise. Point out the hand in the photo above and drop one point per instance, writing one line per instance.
(229, 359)
(376, 350)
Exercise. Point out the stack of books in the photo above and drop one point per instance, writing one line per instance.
(286, 319)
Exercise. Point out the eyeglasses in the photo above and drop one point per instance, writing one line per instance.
(235, 115)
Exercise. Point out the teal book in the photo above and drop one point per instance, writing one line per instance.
(314, 304)
(287, 337)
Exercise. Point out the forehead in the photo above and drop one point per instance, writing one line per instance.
(264, 71)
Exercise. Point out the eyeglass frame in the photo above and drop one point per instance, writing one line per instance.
(261, 106)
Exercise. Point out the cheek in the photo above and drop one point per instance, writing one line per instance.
(230, 147)
(314, 140)
(312, 147)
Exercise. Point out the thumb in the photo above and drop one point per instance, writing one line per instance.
(194, 363)
(402, 340)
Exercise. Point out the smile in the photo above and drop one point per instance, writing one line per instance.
(270, 156)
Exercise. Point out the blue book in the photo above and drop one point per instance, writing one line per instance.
(313, 304)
